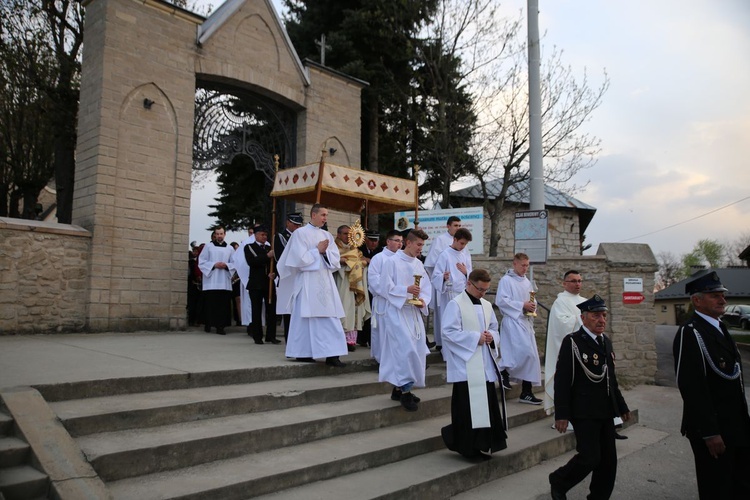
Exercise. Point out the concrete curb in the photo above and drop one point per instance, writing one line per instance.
(54, 451)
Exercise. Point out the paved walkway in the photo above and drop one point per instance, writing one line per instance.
(47, 359)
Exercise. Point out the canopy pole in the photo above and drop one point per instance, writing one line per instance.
(319, 187)
(416, 196)
(272, 267)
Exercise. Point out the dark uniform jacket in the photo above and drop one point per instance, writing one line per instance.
(279, 243)
(575, 395)
(366, 252)
(712, 405)
(260, 264)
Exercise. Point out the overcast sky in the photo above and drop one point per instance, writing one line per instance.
(674, 125)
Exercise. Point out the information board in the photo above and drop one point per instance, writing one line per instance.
(530, 233)
(433, 222)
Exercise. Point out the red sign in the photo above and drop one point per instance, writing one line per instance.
(632, 297)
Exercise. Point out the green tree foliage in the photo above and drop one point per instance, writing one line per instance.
(706, 252)
(373, 40)
(241, 203)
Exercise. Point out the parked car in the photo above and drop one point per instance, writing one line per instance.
(737, 315)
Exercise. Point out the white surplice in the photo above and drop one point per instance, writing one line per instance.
(379, 301)
(518, 349)
(214, 278)
(564, 318)
(243, 271)
(310, 294)
(445, 291)
(403, 351)
(440, 243)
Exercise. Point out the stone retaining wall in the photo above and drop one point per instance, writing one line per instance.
(630, 327)
(43, 276)
(44, 271)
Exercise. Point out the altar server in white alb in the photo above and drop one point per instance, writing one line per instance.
(393, 243)
(450, 274)
(470, 340)
(440, 243)
(520, 356)
(403, 354)
(217, 268)
(306, 281)
(564, 318)
(243, 271)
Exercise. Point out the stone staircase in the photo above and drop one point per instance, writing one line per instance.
(296, 431)
(18, 478)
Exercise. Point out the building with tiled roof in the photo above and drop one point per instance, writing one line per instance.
(672, 303)
(568, 216)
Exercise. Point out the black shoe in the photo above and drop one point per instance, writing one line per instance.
(506, 381)
(220, 331)
(351, 347)
(430, 345)
(335, 361)
(396, 395)
(305, 360)
(557, 494)
(407, 401)
(620, 436)
(274, 341)
(529, 399)
(260, 342)
(207, 329)
(438, 348)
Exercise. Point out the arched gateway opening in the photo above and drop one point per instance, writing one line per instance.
(237, 133)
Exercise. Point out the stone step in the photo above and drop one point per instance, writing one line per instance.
(6, 424)
(439, 474)
(13, 451)
(23, 483)
(278, 469)
(136, 385)
(114, 413)
(121, 454)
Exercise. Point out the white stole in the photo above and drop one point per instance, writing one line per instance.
(475, 377)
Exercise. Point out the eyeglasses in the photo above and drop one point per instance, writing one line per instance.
(483, 290)
(573, 281)
(395, 239)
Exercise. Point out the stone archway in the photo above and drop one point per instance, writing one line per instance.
(142, 63)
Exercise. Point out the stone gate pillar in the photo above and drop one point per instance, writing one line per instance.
(631, 326)
(134, 157)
